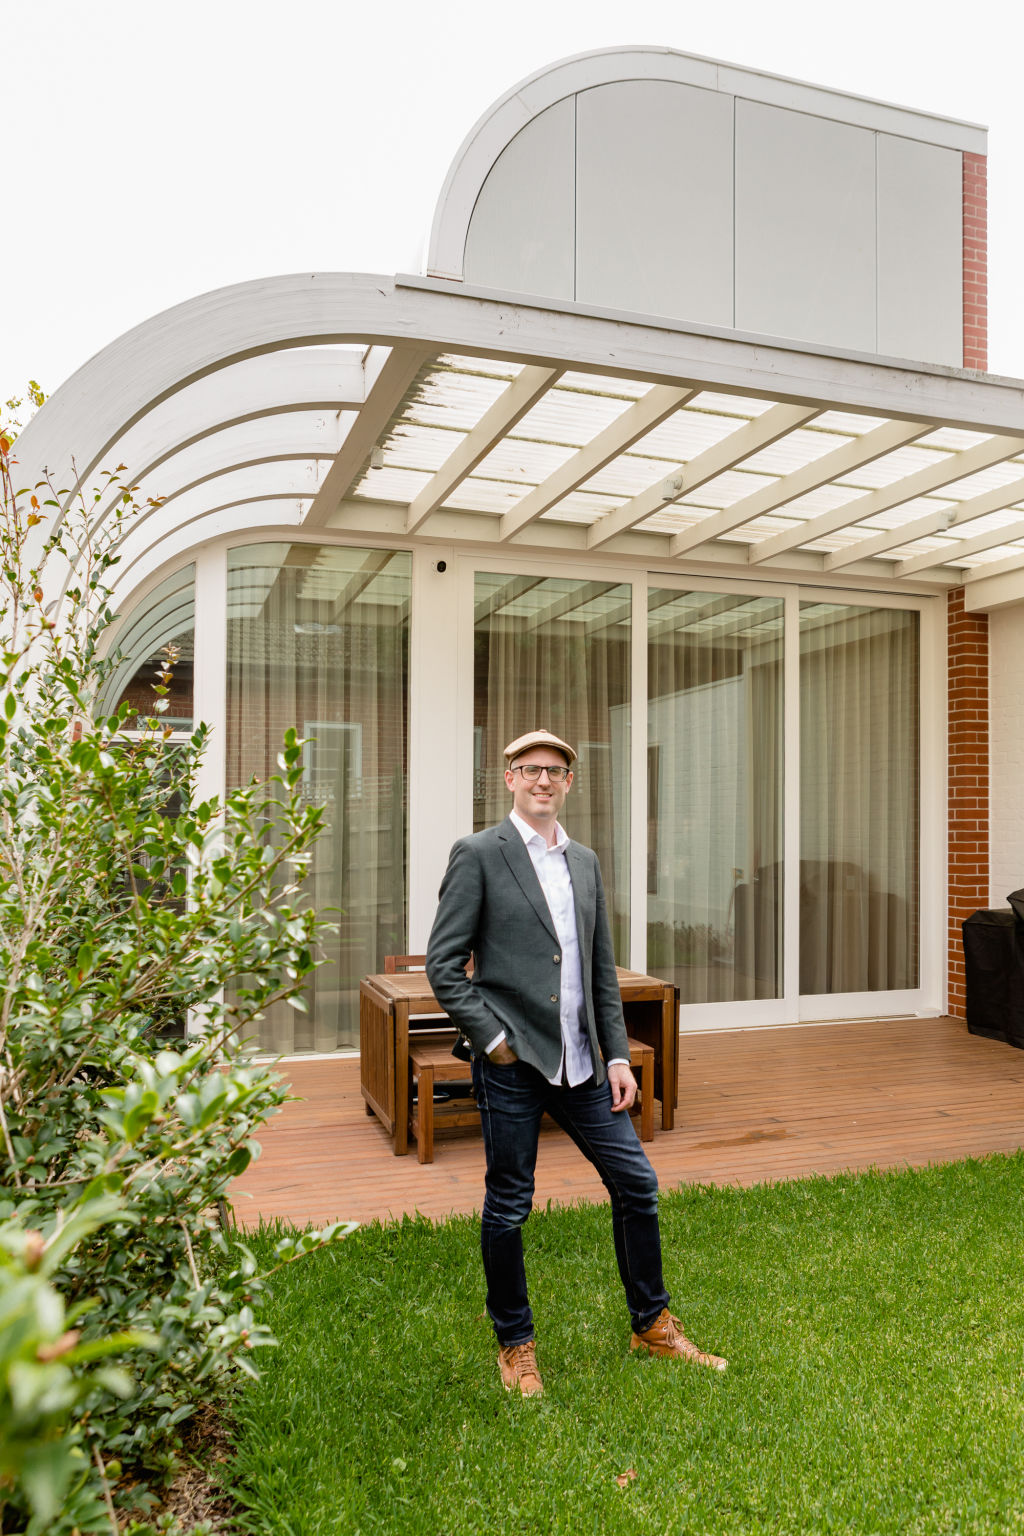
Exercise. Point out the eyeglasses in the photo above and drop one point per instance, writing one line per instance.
(533, 771)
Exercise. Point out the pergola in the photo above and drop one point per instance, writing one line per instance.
(406, 406)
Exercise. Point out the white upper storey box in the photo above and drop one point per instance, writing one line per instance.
(654, 182)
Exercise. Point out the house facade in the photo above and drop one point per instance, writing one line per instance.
(682, 446)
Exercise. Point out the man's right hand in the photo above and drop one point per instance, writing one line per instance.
(503, 1055)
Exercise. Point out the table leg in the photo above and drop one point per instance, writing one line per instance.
(401, 1078)
(669, 1058)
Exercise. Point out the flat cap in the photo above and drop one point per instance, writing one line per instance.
(538, 738)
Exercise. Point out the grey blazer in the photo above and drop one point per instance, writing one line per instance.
(491, 906)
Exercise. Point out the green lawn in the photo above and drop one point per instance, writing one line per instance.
(874, 1327)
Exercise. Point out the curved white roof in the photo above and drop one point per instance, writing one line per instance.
(382, 406)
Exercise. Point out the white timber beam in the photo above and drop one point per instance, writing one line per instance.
(830, 466)
(73, 434)
(269, 441)
(950, 554)
(634, 422)
(939, 521)
(747, 440)
(529, 386)
(142, 558)
(383, 398)
(980, 592)
(252, 390)
(952, 467)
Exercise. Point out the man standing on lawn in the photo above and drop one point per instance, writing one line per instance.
(542, 1016)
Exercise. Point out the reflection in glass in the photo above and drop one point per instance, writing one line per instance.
(714, 794)
(318, 639)
(166, 617)
(859, 799)
(554, 653)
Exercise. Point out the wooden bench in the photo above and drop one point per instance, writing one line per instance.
(431, 1062)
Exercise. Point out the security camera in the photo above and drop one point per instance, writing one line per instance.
(440, 566)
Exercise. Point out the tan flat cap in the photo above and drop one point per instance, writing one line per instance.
(538, 739)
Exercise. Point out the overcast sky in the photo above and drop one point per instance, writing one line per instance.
(154, 151)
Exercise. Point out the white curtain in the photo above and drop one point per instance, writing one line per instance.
(859, 798)
(318, 640)
(714, 731)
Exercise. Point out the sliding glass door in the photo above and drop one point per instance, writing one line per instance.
(859, 798)
(750, 776)
(317, 639)
(714, 794)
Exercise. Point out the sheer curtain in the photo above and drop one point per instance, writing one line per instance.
(318, 639)
(555, 652)
(860, 798)
(714, 732)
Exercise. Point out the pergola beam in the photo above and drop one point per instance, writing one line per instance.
(747, 440)
(950, 554)
(953, 467)
(529, 385)
(635, 422)
(940, 521)
(383, 399)
(839, 461)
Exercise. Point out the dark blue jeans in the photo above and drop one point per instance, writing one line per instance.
(512, 1100)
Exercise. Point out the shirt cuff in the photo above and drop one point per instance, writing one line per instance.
(618, 1061)
(494, 1043)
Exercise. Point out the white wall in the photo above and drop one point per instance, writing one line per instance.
(701, 204)
(1006, 752)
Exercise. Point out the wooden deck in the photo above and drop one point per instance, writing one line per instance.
(754, 1105)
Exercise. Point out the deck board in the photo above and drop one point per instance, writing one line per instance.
(754, 1106)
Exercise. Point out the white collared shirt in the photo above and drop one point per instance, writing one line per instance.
(552, 869)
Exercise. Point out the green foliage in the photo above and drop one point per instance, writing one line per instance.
(126, 907)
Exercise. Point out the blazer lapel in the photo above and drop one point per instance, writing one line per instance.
(521, 865)
(582, 895)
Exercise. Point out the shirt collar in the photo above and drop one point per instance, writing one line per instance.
(528, 833)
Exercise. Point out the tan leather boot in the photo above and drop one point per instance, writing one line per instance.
(665, 1336)
(518, 1366)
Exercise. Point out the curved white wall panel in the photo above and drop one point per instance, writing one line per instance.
(654, 223)
(521, 237)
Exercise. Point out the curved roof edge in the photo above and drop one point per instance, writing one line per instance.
(500, 124)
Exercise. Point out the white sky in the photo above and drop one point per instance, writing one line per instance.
(158, 150)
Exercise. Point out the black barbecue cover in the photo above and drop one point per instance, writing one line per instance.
(994, 961)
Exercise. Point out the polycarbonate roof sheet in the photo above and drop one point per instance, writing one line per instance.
(453, 393)
(793, 451)
(687, 432)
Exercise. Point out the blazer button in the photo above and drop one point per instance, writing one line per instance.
(554, 997)
(557, 959)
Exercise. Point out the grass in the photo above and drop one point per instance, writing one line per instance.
(874, 1326)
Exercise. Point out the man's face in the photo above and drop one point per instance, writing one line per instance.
(538, 802)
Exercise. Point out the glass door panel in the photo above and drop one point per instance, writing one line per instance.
(714, 794)
(318, 639)
(859, 798)
(554, 652)
(167, 618)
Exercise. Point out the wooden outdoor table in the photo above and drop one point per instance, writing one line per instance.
(387, 1001)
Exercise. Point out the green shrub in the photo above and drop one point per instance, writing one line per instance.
(125, 907)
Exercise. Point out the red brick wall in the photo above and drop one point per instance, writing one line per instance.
(967, 642)
(968, 779)
(975, 262)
